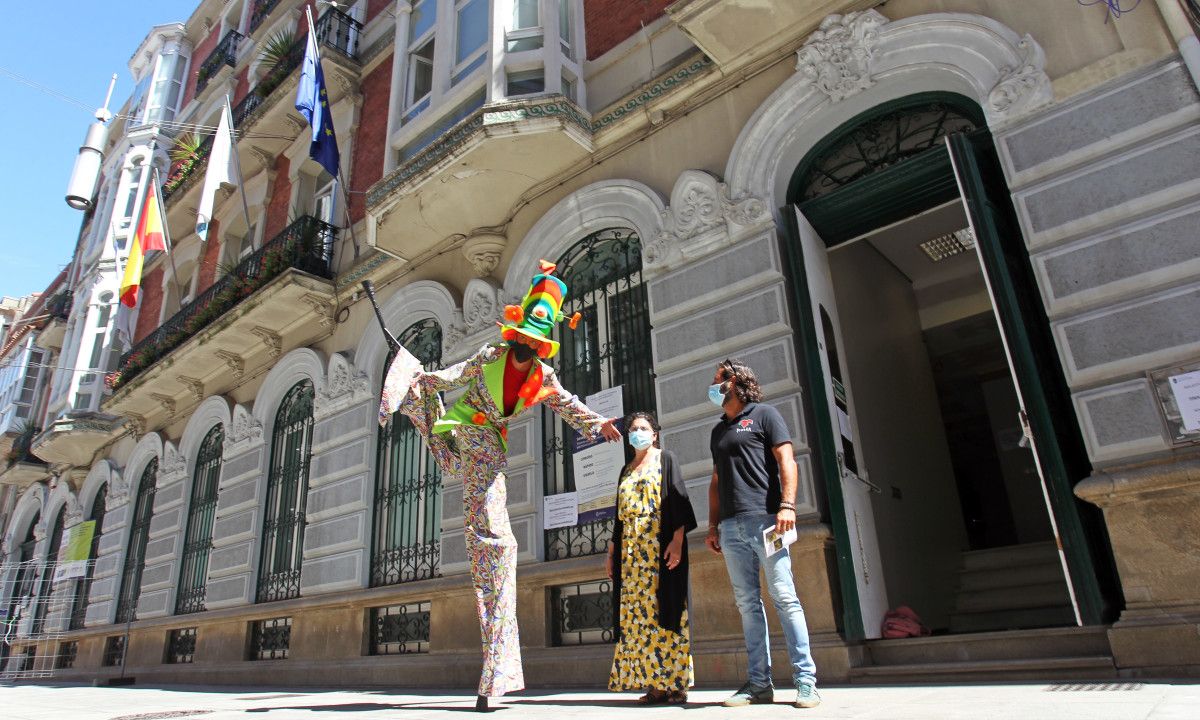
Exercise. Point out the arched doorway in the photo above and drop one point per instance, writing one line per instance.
(943, 429)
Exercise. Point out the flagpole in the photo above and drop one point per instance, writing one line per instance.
(349, 221)
(237, 164)
(166, 236)
(312, 30)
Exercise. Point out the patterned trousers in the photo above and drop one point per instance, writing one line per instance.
(479, 460)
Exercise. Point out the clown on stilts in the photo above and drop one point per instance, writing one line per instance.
(469, 442)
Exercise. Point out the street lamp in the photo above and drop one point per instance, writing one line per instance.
(82, 186)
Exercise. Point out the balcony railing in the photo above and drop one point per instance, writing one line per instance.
(178, 178)
(224, 54)
(306, 245)
(337, 30)
(262, 8)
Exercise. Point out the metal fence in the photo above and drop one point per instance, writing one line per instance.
(35, 614)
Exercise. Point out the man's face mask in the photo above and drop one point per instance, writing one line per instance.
(522, 352)
(717, 392)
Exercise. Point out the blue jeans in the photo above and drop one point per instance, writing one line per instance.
(742, 546)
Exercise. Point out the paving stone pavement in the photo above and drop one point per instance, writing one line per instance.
(1033, 701)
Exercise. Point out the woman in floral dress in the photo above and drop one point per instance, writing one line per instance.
(648, 564)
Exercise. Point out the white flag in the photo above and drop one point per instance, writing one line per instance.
(220, 170)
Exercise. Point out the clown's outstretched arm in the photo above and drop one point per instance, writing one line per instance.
(459, 374)
(407, 386)
(579, 416)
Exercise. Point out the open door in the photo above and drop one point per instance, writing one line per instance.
(840, 460)
(1046, 414)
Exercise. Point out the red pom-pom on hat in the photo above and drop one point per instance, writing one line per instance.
(513, 313)
(573, 322)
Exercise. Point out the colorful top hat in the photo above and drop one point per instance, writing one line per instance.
(533, 320)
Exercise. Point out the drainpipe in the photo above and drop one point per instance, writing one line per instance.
(1184, 36)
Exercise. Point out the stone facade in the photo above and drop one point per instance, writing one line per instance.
(1105, 184)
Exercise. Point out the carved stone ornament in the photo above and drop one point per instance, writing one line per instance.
(481, 305)
(837, 57)
(483, 251)
(118, 488)
(345, 383)
(701, 216)
(73, 514)
(321, 306)
(195, 386)
(270, 338)
(137, 424)
(166, 402)
(1023, 86)
(244, 428)
(173, 462)
(235, 363)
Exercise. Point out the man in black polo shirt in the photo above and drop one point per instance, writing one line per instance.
(754, 487)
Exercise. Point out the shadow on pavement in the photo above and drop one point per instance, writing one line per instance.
(368, 707)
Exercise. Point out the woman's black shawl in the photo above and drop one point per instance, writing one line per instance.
(675, 509)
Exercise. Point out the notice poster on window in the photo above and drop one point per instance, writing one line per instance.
(597, 463)
(1185, 389)
(561, 510)
(74, 551)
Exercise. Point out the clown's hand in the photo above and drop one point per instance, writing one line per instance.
(609, 430)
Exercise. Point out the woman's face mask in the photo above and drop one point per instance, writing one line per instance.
(641, 438)
(716, 393)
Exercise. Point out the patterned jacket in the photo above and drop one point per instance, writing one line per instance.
(482, 404)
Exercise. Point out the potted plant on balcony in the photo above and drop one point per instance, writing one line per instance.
(184, 154)
(277, 53)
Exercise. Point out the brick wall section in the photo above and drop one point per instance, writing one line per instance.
(608, 22)
(199, 55)
(151, 302)
(243, 86)
(277, 208)
(208, 262)
(374, 7)
(370, 143)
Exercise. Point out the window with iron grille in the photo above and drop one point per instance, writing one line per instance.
(582, 613)
(408, 483)
(287, 495)
(114, 650)
(270, 639)
(139, 535)
(399, 629)
(83, 586)
(181, 646)
(202, 511)
(67, 652)
(42, 601)
(22, 586)
(609, 347)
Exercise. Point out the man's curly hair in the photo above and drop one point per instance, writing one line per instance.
(745, 381)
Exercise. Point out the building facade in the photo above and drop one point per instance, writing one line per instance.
(956, 239)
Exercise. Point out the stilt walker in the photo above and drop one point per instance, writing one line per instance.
(469, 441)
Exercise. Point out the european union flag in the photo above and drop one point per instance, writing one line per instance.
(312, 101)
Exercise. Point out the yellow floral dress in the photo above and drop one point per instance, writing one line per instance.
(647, 656)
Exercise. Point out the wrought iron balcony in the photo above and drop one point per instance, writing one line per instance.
(59, 306)
(262, 9)
(305, 245)
(244, 113)
(224, 54)
(337, 30)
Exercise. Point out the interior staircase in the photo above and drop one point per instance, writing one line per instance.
(1008, 588)
(1012, 621)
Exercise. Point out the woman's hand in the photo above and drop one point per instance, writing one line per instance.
(609, 430)
(713, 541)
(674, 552)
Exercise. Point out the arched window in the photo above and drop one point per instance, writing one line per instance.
(22, 588)
(609, 347)
(139, 535)
(408, 484)
(197, 543)
(83, 586)
(287, 495)
(42, 601)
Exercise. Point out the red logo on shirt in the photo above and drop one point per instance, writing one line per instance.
(745, 424)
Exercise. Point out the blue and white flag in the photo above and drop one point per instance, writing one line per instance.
(312, 101)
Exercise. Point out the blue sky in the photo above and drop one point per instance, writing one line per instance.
(73, 48)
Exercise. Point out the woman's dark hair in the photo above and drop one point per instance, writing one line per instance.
(648, 417)
(746, 382)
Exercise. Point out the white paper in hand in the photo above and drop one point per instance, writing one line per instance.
(773, 542)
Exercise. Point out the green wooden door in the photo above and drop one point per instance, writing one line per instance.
(1041, 387)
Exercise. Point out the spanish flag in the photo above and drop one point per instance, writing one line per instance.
(149, 236)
